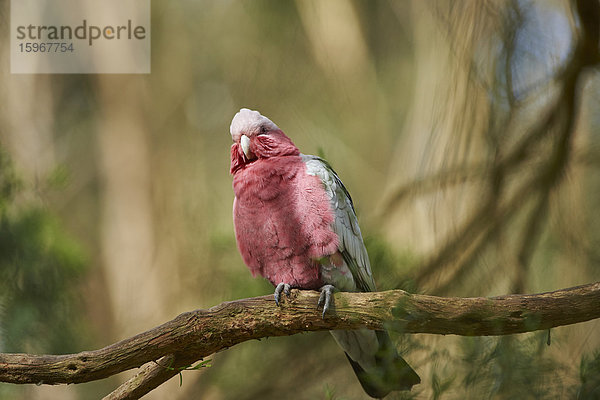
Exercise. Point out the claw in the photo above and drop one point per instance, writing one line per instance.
(282, 287)
(325, 298)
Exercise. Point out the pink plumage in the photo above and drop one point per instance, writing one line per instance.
(282, 221)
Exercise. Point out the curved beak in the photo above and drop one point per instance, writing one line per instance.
(245, 143)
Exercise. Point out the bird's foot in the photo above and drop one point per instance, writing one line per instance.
(325, 298)
(282, 287)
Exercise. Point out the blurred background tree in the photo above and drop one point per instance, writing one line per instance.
(467, 133)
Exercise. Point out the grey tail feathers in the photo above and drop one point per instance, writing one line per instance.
(391, 372)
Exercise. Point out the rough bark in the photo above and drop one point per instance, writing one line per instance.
(196, 334)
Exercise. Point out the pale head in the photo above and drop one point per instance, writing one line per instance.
(256, 137)
(250, 123)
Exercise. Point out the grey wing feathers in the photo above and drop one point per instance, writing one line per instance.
(351, 244)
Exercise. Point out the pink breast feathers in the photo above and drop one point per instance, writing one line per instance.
(282, 220)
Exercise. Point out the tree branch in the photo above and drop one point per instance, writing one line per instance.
(197, 334)
(151, 376)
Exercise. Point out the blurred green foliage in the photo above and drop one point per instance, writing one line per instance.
(40, 268)
(590, 377)
(511, 367)
(391, 268)
(9, 182)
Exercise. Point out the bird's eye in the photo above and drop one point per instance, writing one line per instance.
(263, 131)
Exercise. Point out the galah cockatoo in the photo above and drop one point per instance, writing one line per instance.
(295, 225)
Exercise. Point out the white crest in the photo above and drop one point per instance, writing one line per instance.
(248, 122)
